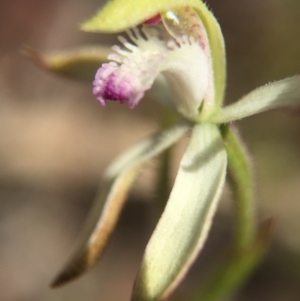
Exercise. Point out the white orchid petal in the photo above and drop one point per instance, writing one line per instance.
(281, 94)
(186, 220)
(178, 49)
(108, 204)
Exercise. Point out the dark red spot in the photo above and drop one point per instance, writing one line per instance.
(153, 20)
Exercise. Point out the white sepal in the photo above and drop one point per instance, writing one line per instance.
(186, 220)
(116, 182)
(281, 94)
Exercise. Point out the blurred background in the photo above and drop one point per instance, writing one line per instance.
(55, 142)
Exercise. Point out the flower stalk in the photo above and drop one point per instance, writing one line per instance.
(165, 161)
(241, 180)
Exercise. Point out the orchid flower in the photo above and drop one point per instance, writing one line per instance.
(177, 45)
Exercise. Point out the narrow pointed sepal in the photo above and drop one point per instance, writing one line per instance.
(186, 220)
(108, 204)
(118, 15)
(280, 94)
(81, 63)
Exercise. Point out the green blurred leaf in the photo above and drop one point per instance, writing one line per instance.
(232, 274)
(281, 94)
(108, 204)
(186, 220)
(80, 64)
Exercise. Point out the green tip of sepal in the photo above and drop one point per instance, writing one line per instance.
(80, 64)
(118, 15)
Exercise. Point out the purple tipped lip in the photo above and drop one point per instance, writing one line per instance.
(113, 86)
(117, 92)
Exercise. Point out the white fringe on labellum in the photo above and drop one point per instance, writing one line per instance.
(134, 67)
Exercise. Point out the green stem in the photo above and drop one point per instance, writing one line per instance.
(163, 181)
(241, 180)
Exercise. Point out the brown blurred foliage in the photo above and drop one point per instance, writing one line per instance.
(55, 141)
